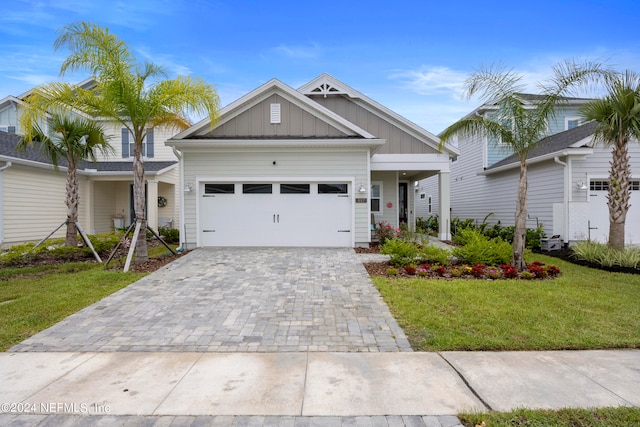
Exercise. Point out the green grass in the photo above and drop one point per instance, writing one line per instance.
(34, 298)
(582, 309)
(597, 417)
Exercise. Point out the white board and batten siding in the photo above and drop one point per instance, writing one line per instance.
(308, 165)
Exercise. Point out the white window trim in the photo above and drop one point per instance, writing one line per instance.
(378, 183)
(567, 119)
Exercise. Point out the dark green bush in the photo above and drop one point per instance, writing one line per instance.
(479, 249)
(170, 235)
(402, 252)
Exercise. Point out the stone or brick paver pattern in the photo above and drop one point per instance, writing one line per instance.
(237, 300)
(228, 421)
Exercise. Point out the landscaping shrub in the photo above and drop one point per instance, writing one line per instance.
(428, 226)
(170, 235)
(434, 254)
(480, 249)
(402, 253)
(386, 232)
(103, 243)
(603, 255)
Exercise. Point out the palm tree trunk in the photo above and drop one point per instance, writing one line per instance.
(520, 229)
(139, 201)
(72, 205)
(618, 194)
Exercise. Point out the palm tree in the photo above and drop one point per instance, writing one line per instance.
(518, 124)
(137, 96)
(618, 117)
(73, 139)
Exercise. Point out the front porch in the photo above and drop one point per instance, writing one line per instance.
(393, 177)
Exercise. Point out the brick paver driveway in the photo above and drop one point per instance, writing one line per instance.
(237, 299)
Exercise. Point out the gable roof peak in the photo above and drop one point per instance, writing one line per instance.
(325, 84)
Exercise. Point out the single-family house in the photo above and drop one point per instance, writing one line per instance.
(32, 191)
(305, 167)
(568, 181)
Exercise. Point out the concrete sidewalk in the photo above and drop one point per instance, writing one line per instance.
(39, 386)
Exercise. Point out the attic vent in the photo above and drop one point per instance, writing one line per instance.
(325, 89)
(275, 113)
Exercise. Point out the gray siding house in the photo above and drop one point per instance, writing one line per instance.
(308, 167)
(568, 181)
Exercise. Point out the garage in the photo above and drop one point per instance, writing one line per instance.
(599, 212)
(265, 213)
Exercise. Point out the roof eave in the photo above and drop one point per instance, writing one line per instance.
(582, 151)
(190, 144)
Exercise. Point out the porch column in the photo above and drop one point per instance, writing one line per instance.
(88, 206)
(444, 193)
(152, 204)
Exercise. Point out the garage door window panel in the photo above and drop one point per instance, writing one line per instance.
(257, 188)
(333, 189)
(295, 188)
(219, 189)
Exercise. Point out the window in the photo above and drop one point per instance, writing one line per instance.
(295, 188)
(128, 144)
(333, 189)
(219, 189)
(496, 140)
(429, 204)
(603, 185)
(571, 122)
(8, 128)
(376, 197)
(423, 196)
(257, 188)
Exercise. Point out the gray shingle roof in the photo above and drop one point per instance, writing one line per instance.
(553, 143)
(9, 143)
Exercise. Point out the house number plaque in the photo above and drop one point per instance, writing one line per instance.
(361, 200)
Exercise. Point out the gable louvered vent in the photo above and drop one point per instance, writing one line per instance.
(275, 113)
(324, 89)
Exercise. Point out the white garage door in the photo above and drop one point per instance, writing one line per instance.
(599, 212)
(276, 214)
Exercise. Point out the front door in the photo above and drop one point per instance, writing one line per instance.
(403, 204)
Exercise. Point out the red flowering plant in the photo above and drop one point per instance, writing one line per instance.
(478, 270)
(410, 269)
(385, 232)
(509, 271)
(541, 271)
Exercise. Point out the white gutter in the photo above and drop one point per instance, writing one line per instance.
(566, 191)
(6, 166)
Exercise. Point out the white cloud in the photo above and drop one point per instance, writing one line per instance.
(172, 67)
(431, 80)
(299, 52)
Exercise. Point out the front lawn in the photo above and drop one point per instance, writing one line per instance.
(581, 309)
(35, 298)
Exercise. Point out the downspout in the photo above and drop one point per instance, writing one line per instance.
(567, 193)
(183, 228)
(7, 165)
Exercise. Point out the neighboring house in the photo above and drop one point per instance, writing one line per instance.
(306, 167)
(32, 193)
(568, 179)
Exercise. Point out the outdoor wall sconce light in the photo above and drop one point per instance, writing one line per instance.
(187, 188)
(362, 189)
(581, 185)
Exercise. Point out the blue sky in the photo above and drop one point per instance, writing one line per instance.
(411, 56)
